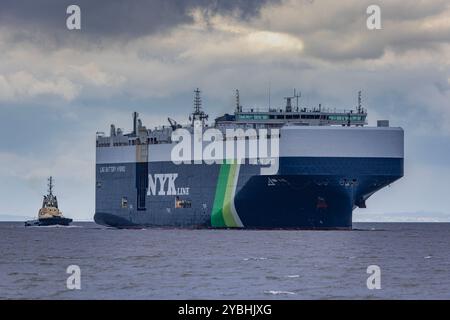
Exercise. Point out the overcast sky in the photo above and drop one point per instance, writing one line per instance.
(59, 87)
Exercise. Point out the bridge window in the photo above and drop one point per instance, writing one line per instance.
(253, 116)
(337, 118)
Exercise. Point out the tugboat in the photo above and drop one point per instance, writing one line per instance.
(49, 214)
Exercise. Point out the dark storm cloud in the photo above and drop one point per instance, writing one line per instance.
(117, 17)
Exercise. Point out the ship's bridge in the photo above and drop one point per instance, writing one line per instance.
(303, 117)
(273, 117)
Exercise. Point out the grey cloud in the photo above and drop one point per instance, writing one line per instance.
(405, 11)
(114, 18)
(336, 30)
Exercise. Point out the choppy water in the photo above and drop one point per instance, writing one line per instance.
(225, 264)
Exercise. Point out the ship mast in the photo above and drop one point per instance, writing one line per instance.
(359, 102)
(289, 101)
(198, 113)
(50, 185)
(50, 199)
(238, 103)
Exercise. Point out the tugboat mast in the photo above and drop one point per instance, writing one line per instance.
(50, 185)
(50, 199)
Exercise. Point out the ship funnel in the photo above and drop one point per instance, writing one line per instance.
(135, 122)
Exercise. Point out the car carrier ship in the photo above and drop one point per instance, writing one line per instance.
(329, 163)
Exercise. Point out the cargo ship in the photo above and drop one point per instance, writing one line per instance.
(328, 163)
(49, 214)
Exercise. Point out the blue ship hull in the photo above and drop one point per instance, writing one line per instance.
(307, 193)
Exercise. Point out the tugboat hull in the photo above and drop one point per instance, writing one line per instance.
(49, 222)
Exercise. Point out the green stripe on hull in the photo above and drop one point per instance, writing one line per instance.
(223, 213)
(217, 219)
(230, 220)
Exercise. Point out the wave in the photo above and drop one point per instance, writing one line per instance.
(56, 226)
(277, 292)
(255, 258)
